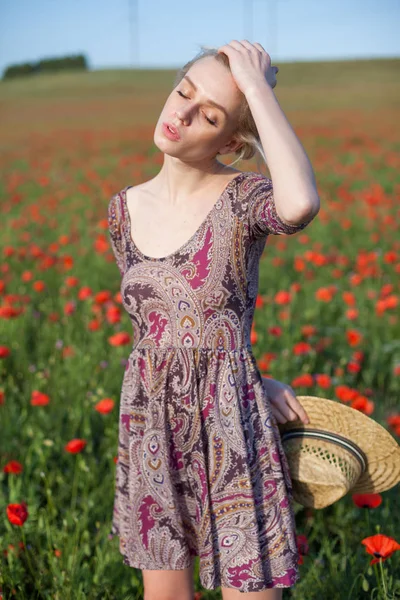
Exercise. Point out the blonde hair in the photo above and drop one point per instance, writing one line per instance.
(246, 130)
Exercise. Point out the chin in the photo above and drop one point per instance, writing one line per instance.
(165, 148)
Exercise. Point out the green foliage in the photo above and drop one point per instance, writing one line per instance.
(46, 65)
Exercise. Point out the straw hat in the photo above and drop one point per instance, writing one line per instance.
(338, 451)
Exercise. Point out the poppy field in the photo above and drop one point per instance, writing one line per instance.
(326, 323)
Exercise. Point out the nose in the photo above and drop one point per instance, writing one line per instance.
(179, 116)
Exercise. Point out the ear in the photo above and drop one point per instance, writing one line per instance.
(230, 147)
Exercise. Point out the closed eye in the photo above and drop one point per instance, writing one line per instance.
(209, 120)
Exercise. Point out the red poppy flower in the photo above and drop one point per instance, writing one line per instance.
(85, 292)
(113, 314)
(105, 406)
(76, 445)
(282, 297)
(13, 466)
(119, 339)
(367, 500)
(71, 281)
(39, 286)
(102, 297)
(9, 312)
(4, 351)
(17, 513)
(381, 546)
(302, 380)
(39, 399)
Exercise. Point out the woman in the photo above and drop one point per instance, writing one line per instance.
(201, 470)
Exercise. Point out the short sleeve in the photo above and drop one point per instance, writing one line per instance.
(262, 215)
(115, 233)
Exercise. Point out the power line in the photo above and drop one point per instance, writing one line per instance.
(248, 19)
(271, 45)
(134, 32)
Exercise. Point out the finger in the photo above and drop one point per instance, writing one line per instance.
(288, 413)
(227, 48)
(249, 45)
(237, 45)
(257, 45)
(298, 409)
(291, 407)
(280, 417)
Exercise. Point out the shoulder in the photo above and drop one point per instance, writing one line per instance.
(133, 191)
(115, 212)
(141, 192)
(119, 202)
(257, 179)
(114, 205)
(250, 186)
(251, 180)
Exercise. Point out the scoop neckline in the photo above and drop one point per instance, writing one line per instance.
(128, 223)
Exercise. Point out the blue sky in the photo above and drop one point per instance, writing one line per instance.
(170, 32)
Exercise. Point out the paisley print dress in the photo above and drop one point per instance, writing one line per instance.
(201, 469)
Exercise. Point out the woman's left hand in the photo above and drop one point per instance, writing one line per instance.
(284, 403)
(250, 65)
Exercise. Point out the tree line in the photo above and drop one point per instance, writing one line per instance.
(46, 65)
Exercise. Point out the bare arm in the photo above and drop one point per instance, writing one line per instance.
(293, 179)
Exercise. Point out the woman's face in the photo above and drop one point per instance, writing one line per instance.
(204, 129)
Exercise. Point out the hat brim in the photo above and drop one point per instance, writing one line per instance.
(381, 450)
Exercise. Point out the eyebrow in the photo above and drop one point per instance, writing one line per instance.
(209, 101)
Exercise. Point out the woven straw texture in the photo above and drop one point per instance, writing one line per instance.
(323, 471)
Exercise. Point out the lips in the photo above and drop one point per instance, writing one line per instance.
(173, 129)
